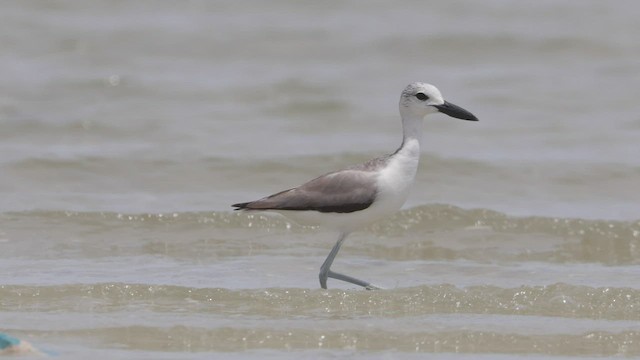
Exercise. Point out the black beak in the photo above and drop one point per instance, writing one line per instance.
(455, 111)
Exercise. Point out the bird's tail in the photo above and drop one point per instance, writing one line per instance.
(241, 206)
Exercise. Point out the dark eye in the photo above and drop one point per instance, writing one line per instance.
(422, 96)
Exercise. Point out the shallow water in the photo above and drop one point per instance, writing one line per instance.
(460, 281)
(127, 129)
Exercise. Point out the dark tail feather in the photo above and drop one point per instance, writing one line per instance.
(240, 206)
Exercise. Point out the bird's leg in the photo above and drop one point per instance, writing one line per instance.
(325, 269)
(326, 265)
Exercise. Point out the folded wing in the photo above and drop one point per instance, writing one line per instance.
(338, 192)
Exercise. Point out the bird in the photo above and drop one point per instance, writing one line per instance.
(349, 199)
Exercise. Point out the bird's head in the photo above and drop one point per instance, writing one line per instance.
(420, 99)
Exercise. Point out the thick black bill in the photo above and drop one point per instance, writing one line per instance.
(455, 111)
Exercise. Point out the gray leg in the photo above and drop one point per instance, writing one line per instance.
(325, 269)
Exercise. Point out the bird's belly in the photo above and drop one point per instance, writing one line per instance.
(343, 222)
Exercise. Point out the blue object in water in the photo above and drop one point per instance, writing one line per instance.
(11, 345)
(8, 341)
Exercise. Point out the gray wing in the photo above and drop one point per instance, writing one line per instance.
(338, 192)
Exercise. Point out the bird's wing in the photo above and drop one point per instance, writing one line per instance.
(338, 192)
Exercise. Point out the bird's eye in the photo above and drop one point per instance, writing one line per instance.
(422, 96)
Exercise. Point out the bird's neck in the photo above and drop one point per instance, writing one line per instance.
(411, 133)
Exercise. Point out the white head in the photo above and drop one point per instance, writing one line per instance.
(420, 99)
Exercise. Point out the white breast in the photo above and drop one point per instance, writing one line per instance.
(396, 179)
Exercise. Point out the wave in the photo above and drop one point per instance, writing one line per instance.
(557, 319)
(433, 217)
(558, 299)
(426, 233)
